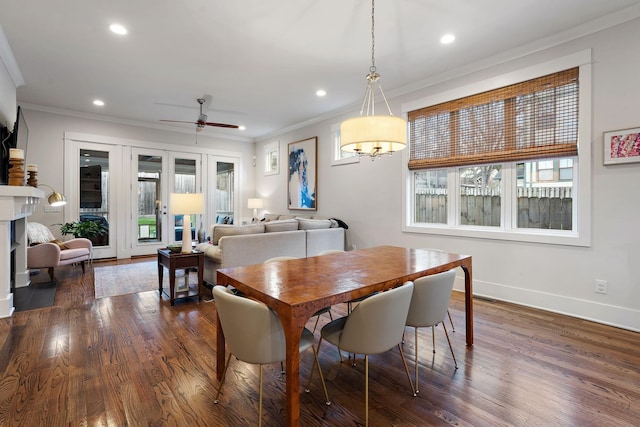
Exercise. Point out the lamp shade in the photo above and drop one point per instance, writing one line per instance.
(368, 134)
(255, 204)
(186, 203)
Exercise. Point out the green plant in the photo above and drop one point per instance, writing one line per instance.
(86, 229)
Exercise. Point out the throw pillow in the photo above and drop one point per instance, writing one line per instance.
(271, 217)
(38, 233)
(60, 244)
(280, 225)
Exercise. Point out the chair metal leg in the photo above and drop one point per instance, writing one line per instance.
(416, 358)
(453, 328)
(316, 362)
(406, 369)
(260, 400)
(433, 338)
(366, 390)
(316, 325)
(450, 347)
(224, 373)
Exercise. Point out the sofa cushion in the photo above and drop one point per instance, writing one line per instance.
(221, 230)
(312, 224)
(271, 217)
(280, 225)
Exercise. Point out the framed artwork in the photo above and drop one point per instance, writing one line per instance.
(272, 158)
(622, 146)
(302, 191)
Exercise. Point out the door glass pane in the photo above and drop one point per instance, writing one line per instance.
(184, 182)
(224, 193)
(149, 191)
(94, 192)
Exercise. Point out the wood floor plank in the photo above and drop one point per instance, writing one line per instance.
(135, 360)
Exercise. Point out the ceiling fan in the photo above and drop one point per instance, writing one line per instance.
(201, 122)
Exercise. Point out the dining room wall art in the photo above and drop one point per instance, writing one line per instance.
(302, 191)
(622, 146)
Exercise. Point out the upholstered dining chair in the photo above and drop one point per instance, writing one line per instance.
(453, 328)
(374, 326)
(254, 334)
(429, 305)
(318, 313)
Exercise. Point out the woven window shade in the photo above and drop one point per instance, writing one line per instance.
(529, 120)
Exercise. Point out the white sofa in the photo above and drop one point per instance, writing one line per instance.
(237, 246)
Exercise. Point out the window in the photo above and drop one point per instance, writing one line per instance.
(503, 163)
(340, 157)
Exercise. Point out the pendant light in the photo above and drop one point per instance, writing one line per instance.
(370, 134)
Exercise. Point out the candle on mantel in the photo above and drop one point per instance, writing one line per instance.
(16, 153)
(32, 168)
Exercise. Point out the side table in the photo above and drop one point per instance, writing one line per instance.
(173, 261)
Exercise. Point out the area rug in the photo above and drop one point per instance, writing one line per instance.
(113, 280)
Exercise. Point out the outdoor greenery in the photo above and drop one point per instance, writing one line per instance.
(86, 229)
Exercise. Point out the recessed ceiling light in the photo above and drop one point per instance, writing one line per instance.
(118, 29)
(98, 102)
(242, 127)
(447, 38)
(321, 92)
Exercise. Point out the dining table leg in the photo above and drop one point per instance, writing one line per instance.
(292, 333)
(468, 300)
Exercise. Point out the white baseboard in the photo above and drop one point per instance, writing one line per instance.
(607, 314)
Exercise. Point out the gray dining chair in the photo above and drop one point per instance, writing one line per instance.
(254, 334)
(318, 313)
(374, 326)
(429, 306)
(453, 327)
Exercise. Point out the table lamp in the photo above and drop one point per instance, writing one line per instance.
(255, 204)
(186, 204)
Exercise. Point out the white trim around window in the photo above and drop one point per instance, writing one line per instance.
(581, 235)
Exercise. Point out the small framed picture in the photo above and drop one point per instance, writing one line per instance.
(622, 146)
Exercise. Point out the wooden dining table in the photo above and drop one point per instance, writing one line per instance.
(296, 289)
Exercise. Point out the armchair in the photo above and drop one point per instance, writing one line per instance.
(45, 251)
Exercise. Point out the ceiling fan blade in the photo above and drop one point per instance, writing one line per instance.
(179, 121)
(221, 125)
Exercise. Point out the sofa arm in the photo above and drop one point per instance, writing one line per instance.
(43, 255)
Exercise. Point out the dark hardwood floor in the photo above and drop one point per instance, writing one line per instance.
(134, 360)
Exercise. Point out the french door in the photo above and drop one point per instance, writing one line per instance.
(149, 224)
(94, 176)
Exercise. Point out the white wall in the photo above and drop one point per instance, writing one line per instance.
(46, 149)
(368, 197)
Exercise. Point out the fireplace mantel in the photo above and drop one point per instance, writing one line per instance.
(16, 204)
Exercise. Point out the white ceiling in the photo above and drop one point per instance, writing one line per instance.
(262, 61)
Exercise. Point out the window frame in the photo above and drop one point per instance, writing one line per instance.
(339, 157)
(581, 234)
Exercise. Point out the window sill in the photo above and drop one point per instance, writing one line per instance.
(551, 237)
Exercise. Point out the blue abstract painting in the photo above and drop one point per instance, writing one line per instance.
(302, 176)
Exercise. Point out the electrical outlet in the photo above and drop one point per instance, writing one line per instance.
(601, 286)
